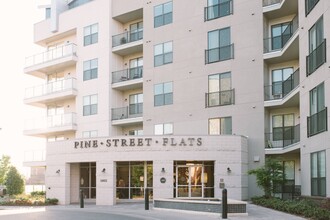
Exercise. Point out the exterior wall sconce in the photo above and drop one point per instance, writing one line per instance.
(163, 170)
(58, 171)
(103, 171)
(228, 170)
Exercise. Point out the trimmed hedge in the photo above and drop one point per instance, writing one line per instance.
(303, 208)
(25, 200)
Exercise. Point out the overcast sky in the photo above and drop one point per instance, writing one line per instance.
(16, 43)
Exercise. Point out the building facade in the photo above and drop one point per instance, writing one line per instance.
(180, 97)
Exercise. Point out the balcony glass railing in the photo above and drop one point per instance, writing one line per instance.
(266, 3)
(220, 98)
(317, 123)
(278, 42)
(316, 58)
(127, 37)
(51, 88)
(53, 54)
(280, 89)
(35, 155)
(282, 137)
(51, 121)
(219, 54)
(218, 10)
(132, 111)
(128, 74)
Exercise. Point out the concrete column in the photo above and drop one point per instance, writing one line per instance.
(165, 189)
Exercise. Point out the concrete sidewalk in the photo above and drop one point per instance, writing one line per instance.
(132, 211)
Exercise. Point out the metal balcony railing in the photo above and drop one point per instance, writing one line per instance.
(219, 54)
(266, 3)
(317, 123)
(52, 121)
(127, 37)
(278, 43)
(132, 111)
(282, 137)
(127, 74)
(280, 89)
(218, 10)
(50, 88)
(316, 58)
(220, 98)
(53, 54)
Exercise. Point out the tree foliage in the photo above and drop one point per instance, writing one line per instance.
(14, 182)
(269, 175)
(4, 168)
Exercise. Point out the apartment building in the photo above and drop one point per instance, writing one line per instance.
(180, 97)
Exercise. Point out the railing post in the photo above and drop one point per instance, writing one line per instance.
(81, 198)
(224, 204)
(146, 199)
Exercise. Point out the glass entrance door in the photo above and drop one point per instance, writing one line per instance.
(189, 181)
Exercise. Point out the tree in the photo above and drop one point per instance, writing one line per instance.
(269, 175)
(4, 167)
(14, 182)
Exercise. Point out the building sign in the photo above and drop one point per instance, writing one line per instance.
(138, 142)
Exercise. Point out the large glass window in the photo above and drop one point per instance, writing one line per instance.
(278, 77)
(309, 5)
(280, 35)
(219, 126)
(136, 104)
(283, 128)
(163, 53)
(90, 105)
(133, 178)
(316, 96)
(318, 174)
(163, 14)
(91, 34)
(136, 68)
(163, 94)
(90, 69)
(164, 129)
(220, 92)
(89, 134)
(219, 46)
(135, 132)
(136, 31)
(218, 8)
(88, 180)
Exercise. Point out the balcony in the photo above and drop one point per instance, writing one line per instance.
(317, 123)
(316, 58)
(220, 98)
(51, 60)
(309, 5)
(280, 90)
(219, 54)
(273, 9)
(36, 158)
(128, 79)
(127, 43)
(218, 10)
(51, 92)
(51, 125)
(127, 115)
(267, 3)
(283, 138)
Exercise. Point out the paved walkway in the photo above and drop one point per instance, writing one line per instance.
(129, 211)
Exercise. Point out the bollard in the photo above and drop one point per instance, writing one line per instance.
(146, 199)
(224, 204)
(81, 199)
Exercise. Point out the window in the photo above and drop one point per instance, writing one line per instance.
(164, 129)
(55, 138)
(136, 104)
(136, 68)
(278, 77)
(90, 105)
(135, 132)
(163, 14)
(136, 31)
(283, 128)
(281, 33)
(220, 92)
(219, 126)
(219, 46)
(317, 47)
(163, 54)
(218, 8)
(89, 134)
(48, 12)
(163, 94)
(318, 174)
(317, 122)
(91, 34)
(309, 5)
(90, 69)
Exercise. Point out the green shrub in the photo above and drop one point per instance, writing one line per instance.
(38, 193)
(303, 208)
(51, 201)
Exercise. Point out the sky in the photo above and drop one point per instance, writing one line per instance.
(16, 42)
